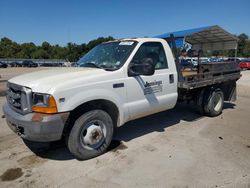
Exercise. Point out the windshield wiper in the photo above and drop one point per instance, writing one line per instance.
(109, 69)
(91, 65)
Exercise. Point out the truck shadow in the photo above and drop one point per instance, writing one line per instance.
(53, 150)
(131, 130)
(160, 121)
(156, 123)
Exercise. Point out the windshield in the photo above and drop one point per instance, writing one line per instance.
(108, 56)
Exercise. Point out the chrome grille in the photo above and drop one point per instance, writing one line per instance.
(14, 97)
(19, 98)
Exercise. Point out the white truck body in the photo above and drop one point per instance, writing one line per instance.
(86, 104)
(80, 85)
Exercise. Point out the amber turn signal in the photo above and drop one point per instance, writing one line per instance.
(50, 109)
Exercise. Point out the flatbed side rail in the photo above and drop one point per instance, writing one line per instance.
(209, 78)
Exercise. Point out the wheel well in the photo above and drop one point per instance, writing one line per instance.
(100, 104)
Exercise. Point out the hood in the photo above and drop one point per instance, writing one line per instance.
(43, 81)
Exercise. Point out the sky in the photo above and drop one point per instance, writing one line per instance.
(63, 21)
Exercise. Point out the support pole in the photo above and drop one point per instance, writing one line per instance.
(174, 49)
(235, 52)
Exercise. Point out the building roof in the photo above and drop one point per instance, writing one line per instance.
(205, 38)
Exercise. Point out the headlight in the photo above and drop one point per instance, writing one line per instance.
(44, 103)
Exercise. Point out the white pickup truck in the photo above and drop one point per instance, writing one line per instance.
(114, 83)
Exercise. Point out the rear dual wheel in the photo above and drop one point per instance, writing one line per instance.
(213, 102)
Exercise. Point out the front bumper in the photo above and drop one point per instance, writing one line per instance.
(36, 126)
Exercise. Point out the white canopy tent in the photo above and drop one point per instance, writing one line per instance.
(204, 38)
(214, 38)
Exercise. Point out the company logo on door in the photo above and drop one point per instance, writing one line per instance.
(152, 87)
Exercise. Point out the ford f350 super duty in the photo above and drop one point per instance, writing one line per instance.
(114, 83)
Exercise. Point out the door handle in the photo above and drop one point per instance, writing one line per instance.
(171, 78)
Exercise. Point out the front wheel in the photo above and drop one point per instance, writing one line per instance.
(90, 135)
(213, 104)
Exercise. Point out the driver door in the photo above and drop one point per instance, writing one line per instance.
(150, 94)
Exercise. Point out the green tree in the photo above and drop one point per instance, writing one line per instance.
(26, 50)
(40, 54)
(97, 41)
(246, 50)
(242, 45)
(8, 48)
(72, 52)
(46, 46)
(58, 52)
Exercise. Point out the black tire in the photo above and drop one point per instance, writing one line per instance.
(91, 126)
(213, 102)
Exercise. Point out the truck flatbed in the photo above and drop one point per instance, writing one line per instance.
(209, 74)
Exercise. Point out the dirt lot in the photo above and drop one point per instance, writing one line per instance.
(176, 148)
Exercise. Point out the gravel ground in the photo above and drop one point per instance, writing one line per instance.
(14, 71)
(175, 148)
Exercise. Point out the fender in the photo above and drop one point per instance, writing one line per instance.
(84, 96)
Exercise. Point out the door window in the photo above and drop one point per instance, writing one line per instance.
(154, 51)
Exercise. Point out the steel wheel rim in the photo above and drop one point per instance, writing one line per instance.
(93, 134)
(217, 102)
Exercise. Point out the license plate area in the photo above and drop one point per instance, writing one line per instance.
(16, 128)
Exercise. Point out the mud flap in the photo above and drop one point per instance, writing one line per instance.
(229, 90)
(233, 94)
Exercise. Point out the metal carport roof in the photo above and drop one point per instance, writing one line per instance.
(205, 38)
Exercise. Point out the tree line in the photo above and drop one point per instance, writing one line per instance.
(72, 51)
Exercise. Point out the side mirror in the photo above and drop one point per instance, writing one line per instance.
(146, 67)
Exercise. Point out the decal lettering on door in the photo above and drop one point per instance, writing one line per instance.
(152, 87)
